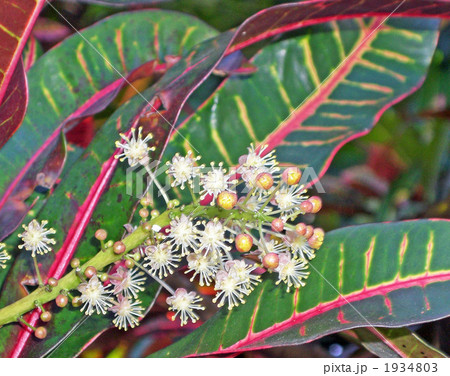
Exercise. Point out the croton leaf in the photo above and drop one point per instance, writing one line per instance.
(313, 93)
(63, 98)
(31, 52)
(60, 95)
(14, 104)
(78, 198)
(17, 18)
(393, 343)
(386, 274)
(98, 199)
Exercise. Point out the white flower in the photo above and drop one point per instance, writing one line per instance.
(184, 303)
(35, 238)
(231, 289)
(204, 265)
(182, 234)
(3, 256)
(127, 313)
(289, 198)
(183, 169)
(160, 258)
(94, 296)
(255, 159)
(271, 246)
(243, 273)
(134, 149)
(253, 203)
(214, 182)
(127, 282)
(299, 246)
(291, 271)
(212, 239)
(254, 163)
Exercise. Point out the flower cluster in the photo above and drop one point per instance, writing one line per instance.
(242, 222)
(257, 205)
(119, 295)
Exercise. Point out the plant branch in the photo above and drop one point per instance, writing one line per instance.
(102, 259)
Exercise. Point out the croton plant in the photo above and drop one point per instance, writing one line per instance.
(161, 176)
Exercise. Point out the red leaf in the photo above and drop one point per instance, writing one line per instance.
(17, 18)
(14, 104)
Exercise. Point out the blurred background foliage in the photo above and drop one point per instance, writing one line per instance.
(399, 171)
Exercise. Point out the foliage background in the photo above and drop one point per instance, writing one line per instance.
(399, 171)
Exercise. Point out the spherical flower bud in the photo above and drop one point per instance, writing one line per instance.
(75, 263)
(52, 282)
(264, 180)
(90, 271)
(227, 200)
(100, 234)
(271, 261)
(315, 241)
(291, 175)
(277, 225)
(103, 277)
(61, 300)
(244, 243)
(119, 248)
(40, 332)
(145, 201)
(109, 244)
(144, 213)
(154, 213)
(129, 263)
(76, 301)
(46, 316)
(300, 228)
(309, 230)
(316, 202)
(318, 232)
(306, 207)
(147, 227)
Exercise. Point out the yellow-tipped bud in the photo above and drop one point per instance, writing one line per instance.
(227, 200)
(291, 175)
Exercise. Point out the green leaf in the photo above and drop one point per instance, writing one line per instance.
(394, 343)
(313, 93)
(387, 274)
(97, 199)
(62, 92)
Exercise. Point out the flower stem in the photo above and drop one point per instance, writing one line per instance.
(102, 259)
(24, 322)
(38, 273)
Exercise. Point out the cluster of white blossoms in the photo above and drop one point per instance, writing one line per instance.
(242, 223)
(230, 251)
(116, 292)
